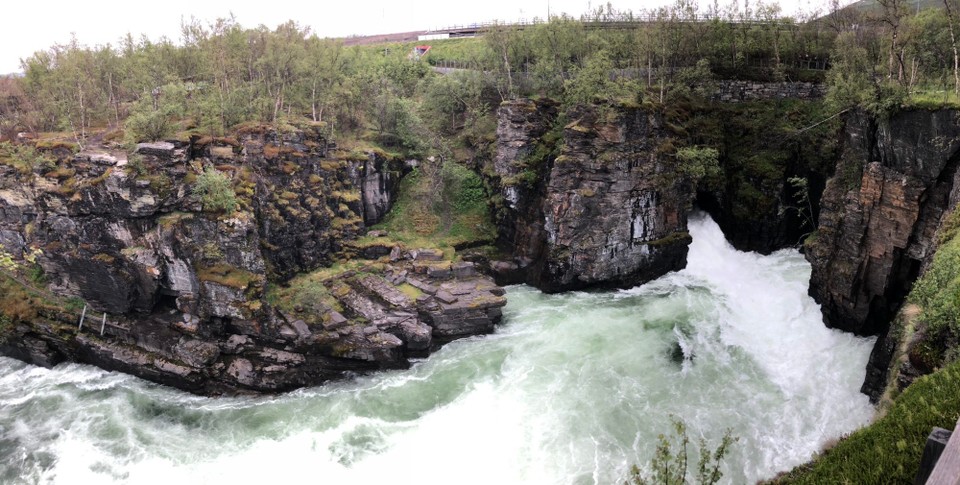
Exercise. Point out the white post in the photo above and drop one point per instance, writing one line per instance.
(103, 324)
(82, 316)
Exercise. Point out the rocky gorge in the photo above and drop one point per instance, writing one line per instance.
(894, 188)
(606, 210)
(595, 198)
(598, 203)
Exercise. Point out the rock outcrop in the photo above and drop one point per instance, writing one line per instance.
(895, 182)
(597, 204)
(186, 290)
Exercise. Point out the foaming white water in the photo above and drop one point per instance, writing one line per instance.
(572, 388)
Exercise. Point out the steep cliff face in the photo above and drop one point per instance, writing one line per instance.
(526, 144)
(186, 290)
(598, 206)
(878, 222)
(896, 180)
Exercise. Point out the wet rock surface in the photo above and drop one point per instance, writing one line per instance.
(596, 205)
(185, 291)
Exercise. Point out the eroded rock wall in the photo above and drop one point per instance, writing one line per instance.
(597, 204)
(185, 290)
(895, 182)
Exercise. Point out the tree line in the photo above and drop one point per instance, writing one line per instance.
(221, 74)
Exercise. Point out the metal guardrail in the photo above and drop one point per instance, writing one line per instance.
(608, 21)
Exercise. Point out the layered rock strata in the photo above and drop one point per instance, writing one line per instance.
(895, 182)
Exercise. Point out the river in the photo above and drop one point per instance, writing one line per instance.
(571, 389)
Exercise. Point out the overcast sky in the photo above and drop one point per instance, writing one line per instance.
(31, 26)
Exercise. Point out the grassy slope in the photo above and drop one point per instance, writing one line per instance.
(457, 215)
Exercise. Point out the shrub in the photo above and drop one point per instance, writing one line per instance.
(24, 158)
(462, 187)
(669, 467)
(698, 163)
(937, 293)
(215, 191)
(148, 125)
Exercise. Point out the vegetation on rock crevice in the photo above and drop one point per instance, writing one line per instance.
(215, 191)
(937, 294)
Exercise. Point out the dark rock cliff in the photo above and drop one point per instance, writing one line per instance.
(186, 290)
(594, 205)
(895, 182)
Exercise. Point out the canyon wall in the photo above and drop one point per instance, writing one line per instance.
(595, 203)
(895, 181)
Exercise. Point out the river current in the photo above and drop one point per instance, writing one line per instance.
(571, 389)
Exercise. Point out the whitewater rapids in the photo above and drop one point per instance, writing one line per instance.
(572, 389)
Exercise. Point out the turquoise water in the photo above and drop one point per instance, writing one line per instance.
(572, 389)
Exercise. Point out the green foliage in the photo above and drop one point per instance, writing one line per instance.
(802, 205)
(6, 326)
(135, 164)
(36, 274)
(937, 293)
(7, 263)
(220, 74)
(215, 191)
(695, 81)
(670, 465)
(148, 125)
(933, 99)
(25, 158)
(463, 189)
(457, 102)
(850, 80)
(760, 144)
(27, 260)
(545, 149)
(699, 163)
(16, 303)
(889, 450)
(441, 205)
(593, 83)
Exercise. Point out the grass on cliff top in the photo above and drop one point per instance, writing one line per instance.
(444, 209)
(933, 99)
(889, 450)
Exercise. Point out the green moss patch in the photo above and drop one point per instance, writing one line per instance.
(458, 214)
(228, 275)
